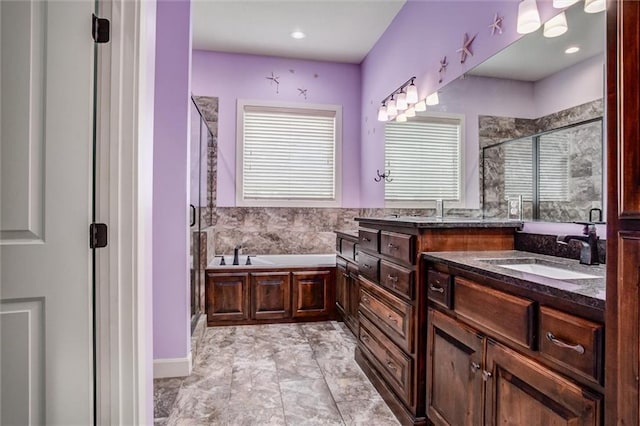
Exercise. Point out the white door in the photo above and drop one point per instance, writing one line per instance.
(45, 209)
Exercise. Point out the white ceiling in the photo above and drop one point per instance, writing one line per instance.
(521, 60)
(337, 30)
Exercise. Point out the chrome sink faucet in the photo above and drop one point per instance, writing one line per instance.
(589, 242)
(236, 252)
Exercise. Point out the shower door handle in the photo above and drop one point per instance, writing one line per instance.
(193, 215)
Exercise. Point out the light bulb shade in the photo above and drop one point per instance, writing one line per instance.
(401, 118)
(391, 108)
(433, 99)
(528, 17)
(420, 106)
(401, 102)
(555, 26)
(594, 6)
(410, 112)
(560, 4)
(382, 113)
(412, 94)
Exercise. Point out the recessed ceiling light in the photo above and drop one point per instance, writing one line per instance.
(572, 49)
(298, 35)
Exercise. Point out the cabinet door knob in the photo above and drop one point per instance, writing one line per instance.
(436, 288)
(391, 365)
(553, 339)
(486, 375)
(474, 367)
(392, 278)
(392, 318)
(392, 246)
(365, 299)
(345, 275)
(365, 338)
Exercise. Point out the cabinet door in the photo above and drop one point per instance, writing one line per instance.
(454, 372)
(271, 295)
(342, 289)
(312, 294)
(354, 295)
(522, 392)
(227, 297)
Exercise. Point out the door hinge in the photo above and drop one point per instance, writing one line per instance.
(100, 29)
(97, 235)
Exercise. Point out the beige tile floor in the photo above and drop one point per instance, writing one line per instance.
(277, 374)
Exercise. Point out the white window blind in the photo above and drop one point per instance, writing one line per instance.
(424, 158)
(554, 167)
(518, 168)
(288, 154)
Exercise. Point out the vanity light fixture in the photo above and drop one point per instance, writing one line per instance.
(571, 50)
(298, 35)
(528, 17)
(561, 4)
(382, 113)
(420, 106)
(399, 100)
(401, 118)
(433, 99)
(555, 26)
(410, 112)
(594, 6)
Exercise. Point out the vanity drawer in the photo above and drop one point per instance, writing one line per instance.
(369, 239)
(574, 342)
(392, 315)
(399, 246)
(347, 249)
(397, 279)
(439, 289)
(502, 313)
(393, 364)
(368, 266)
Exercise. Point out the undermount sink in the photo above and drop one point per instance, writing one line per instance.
(540, 267)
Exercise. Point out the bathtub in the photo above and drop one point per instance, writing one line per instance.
(277, 261)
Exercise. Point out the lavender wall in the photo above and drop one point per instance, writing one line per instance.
(236, 76)
(170, 185)
(418, 37)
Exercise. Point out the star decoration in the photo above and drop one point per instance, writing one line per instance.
(443, 68)
(274, 79)
(465, 50)
(302, 92)
(496, 26)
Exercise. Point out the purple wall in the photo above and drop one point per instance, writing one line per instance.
(171, 337)
(421, 34)
(235, 76)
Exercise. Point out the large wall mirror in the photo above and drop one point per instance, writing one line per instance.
(535, 113)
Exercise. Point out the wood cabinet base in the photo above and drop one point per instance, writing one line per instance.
(394, 403)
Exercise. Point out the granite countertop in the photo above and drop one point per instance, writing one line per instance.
(588, 292)
(432, 222)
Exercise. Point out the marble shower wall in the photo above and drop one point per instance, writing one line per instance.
(585, 161)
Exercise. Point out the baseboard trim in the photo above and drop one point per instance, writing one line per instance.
(172, 367)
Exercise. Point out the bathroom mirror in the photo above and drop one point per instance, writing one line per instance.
(535, 114)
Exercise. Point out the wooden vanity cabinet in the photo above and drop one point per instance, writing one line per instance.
(496, 358)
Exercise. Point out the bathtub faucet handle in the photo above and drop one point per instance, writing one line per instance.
(221, 256)
(249, 259)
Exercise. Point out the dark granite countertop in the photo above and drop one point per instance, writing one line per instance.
(588, 292)
(432, 222)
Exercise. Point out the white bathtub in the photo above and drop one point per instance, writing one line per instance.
(277, 261)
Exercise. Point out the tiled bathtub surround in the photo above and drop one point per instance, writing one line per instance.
(283, 230)
(585, 161)
(277, 374)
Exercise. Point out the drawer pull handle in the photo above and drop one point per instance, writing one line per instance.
(366, 266)
(391, 365)
(553, 339)
(390, 317)
(474, 367)
(365, 299)
(365, 338)
(436, 288)
(486, 375)
(345, 275)
(392, 246)
(392, 279)
(366, 240)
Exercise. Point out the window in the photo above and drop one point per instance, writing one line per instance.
(553, 174)
(424, 157)
(518, 169)
(288, 156)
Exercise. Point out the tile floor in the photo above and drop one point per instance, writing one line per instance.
(276, 374)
